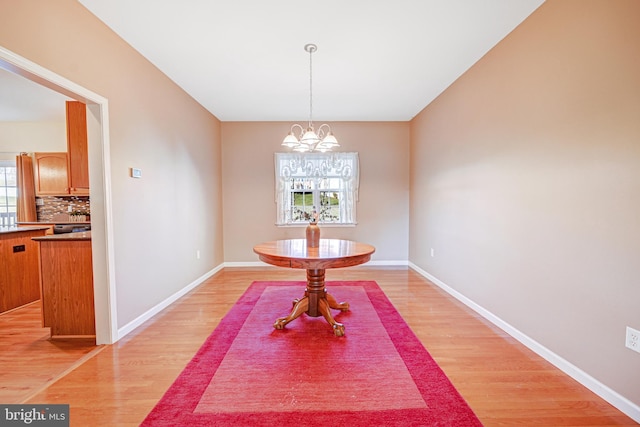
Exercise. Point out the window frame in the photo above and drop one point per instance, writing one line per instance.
(340, 168)
(5, 210)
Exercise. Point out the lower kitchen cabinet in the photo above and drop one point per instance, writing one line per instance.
(66, 276)
(19, 283)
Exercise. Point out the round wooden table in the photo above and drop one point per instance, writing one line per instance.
(331, 253)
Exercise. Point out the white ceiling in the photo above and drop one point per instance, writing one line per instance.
(377, 60)
(21, 100)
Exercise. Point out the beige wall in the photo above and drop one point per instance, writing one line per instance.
(33, 136)
(161, 220)
(525, 180)
(249, 194)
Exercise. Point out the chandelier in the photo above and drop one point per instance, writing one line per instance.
(308, 139)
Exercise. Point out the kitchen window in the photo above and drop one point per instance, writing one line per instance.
(325, 184)
(8, 193)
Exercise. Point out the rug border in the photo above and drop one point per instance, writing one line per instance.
(196, 376)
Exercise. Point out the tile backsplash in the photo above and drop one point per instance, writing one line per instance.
(51, 208)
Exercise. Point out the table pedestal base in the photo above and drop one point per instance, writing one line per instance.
(315, 302)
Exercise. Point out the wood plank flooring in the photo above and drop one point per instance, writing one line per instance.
(504, 383)
(29, 360)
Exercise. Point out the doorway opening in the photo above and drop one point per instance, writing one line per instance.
(100, 185)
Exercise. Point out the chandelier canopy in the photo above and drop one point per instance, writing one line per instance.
(303, 140)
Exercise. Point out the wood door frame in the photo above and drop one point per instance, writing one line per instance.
(100, 186)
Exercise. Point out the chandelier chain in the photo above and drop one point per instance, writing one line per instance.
(311, 49)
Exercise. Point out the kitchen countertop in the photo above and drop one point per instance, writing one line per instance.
(80, 235)
(15, 229)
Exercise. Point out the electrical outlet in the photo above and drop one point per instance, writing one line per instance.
(198, 254)
(633, 339)
(433, 253)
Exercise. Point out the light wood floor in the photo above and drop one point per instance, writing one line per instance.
(503, 382)
(29, 360)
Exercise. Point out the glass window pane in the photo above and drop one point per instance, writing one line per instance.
(12, 197)
(11, 177)
(8, 193)
(301, 205)
(330, 206)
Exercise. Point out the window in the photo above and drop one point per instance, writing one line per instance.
(8, 193)
(325, 184)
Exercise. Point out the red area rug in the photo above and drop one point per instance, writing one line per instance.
(249, 374)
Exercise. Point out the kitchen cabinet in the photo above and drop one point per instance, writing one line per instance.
(50, 172)
(66, 281)
(66, 174)
(19, 280)
(77, 149)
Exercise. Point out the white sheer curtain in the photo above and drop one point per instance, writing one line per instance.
(344, 166)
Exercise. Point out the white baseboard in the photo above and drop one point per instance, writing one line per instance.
(246, 264)
(126, 329)
(391, 263)
(614, 398)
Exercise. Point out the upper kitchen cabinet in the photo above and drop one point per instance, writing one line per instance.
(66, 174)
(77, 149)
(50, 171)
